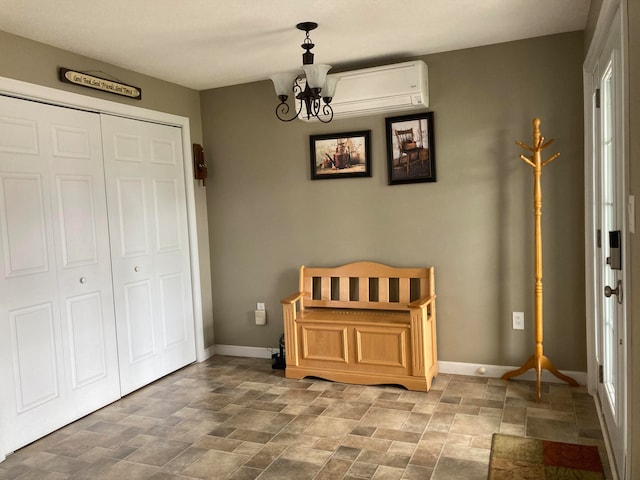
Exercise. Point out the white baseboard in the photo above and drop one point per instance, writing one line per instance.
(456, 368)
(205, 354)
(241, 351)
(496, 371)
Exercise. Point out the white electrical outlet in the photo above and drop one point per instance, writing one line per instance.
(260, 306)
(518, 320)
(261, 317)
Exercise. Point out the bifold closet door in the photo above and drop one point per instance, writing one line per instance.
(58, 358)
(146, 198)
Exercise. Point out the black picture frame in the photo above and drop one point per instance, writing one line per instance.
(411, 156)
(340, 155)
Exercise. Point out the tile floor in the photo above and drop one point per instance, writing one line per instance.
(235, 418)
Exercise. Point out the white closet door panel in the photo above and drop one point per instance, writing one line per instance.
(32, 373)
(77, 220)
(35, 359)
(164, 152)
(167, 215)
(86, 332)
(18, 135)
(171, 247)
(58, 357)
(127, 147)
(139, 320)
(71, 142)
(173, 309)
(83, 258)
(22, 217)
(132, 212)
(152, 282)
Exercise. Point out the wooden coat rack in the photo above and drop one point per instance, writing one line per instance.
(538, 360)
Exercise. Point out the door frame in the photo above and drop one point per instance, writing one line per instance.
(52, 96)
(605, 18)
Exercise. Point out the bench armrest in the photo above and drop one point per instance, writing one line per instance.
(422, 302)
(292, 298)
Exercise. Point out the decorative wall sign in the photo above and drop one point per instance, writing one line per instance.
(91, 81)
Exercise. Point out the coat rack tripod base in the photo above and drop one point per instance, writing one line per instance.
(538, 360)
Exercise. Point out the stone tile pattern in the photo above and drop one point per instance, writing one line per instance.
(233, 418)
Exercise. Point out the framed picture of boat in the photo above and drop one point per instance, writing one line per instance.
(340, 155)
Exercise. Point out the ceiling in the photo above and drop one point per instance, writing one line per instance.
(205, 44)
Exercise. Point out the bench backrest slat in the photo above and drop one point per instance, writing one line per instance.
(405, 290)
(325, 288)
(365, 285)
(383, 290)
(345, 290)
(363, 288)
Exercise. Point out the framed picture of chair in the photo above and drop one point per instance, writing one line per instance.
(411, 154)
(340, 155)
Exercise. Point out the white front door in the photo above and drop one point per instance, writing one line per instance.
(58, 358)
(610, 254)
(150, 249)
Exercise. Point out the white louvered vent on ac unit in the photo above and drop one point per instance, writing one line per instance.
(383, 89)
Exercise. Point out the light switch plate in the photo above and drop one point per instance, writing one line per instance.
(260, 306)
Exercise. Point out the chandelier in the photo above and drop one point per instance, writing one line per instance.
(314, 94)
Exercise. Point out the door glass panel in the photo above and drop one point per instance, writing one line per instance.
(608, 195)
(598, 256)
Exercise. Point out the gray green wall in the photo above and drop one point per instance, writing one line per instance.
(34, 62)
(592, 21)
(475, 224)
(266, 217)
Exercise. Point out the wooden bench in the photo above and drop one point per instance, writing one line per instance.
(364, 323)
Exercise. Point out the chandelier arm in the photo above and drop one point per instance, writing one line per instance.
(297, 88)
(327, 111)
(315, 107)
(283, 109)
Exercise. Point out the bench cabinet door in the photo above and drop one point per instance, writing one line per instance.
(382, 349)
(363, 348)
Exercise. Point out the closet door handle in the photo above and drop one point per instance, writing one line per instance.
(136, 269)
(83, 280)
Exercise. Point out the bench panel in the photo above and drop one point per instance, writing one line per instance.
(382, 347)
(369, 349)
(324, 342)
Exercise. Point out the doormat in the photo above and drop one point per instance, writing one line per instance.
(518, 458)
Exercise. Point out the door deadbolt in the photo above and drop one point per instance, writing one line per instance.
(608, 291)
(615, 249)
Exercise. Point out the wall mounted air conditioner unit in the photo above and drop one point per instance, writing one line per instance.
(388, 88)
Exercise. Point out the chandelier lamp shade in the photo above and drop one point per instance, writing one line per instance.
(312, 86)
